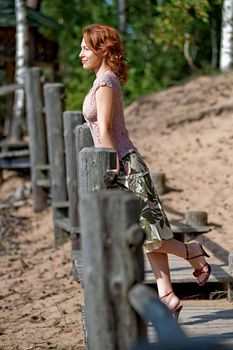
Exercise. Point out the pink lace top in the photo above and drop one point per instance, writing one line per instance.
(120, 136)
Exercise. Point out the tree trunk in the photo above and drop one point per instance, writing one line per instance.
(226, 53)
(214, 41)
(122, 16)
(21, 62)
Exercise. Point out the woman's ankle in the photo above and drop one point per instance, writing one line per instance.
(170, 300)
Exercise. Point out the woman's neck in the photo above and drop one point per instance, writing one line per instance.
(101, 70)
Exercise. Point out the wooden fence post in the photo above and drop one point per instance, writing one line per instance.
(54, 107)
(37, 134)
(159, 181)
(112, 264)
(93, 164)
(71, 119)
(230, 285)
(83, 139)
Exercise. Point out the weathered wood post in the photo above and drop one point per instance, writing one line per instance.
(196, 218)
(71, 119)
(230, 285)
(54, 107)
(83, 139)
(112, 264)
(37, 134)
(159, 181)
(93, 164)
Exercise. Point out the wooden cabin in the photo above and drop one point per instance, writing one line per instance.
(42, 51)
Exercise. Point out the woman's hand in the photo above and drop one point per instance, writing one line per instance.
(110, 178)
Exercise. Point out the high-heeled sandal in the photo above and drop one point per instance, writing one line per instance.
(176, 309)
(197, 272)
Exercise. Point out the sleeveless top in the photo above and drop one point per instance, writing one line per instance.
(123, 144)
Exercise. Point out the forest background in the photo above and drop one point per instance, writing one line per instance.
(166, 41)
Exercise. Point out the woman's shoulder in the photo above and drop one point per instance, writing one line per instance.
(107, 78)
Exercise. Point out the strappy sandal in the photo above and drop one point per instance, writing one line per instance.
(197, 272)
(176, 309)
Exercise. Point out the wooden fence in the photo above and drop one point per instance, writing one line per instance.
(118, 305)
(66, 169)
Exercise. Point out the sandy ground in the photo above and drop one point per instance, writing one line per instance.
(40, 304)
(185, 132)
(195, 155)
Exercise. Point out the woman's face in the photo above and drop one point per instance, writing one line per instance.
(89, 59)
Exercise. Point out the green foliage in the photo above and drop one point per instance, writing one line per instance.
(71, 17)
(154, 41)
(179, 17)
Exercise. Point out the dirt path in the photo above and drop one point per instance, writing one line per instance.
(39, 301)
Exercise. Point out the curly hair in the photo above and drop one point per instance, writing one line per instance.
(105, 41)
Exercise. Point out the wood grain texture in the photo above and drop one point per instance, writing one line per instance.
(37, 135)
(54, 107)
(110, 267)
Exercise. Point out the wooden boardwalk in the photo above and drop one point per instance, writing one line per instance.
(206, 318)
(181, 271)
(198, 318)
(213, 318)
(201, 318)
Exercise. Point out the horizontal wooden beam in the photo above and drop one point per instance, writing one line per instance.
(7, 89)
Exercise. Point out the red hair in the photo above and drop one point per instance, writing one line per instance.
(105, 42)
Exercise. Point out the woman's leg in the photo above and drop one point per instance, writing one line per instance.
(160, 268)
(186, 251)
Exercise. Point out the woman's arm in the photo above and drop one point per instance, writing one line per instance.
(105, 105)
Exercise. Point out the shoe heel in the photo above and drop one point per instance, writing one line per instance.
(176, 312)
(204, 252)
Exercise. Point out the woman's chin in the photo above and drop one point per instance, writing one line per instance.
(86, 67)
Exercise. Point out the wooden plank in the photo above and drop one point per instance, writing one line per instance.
(12, 145)
(212, 319)
(43, 183)
(12, 154)
(65, 225)
(14, 163)
(60, 204)
(9, 88)
(181, 271)
(208, 318)
(45, 167)
(182, 228)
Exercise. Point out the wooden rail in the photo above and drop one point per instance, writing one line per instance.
(8, 89)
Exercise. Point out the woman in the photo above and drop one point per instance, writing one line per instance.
(102, 52)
